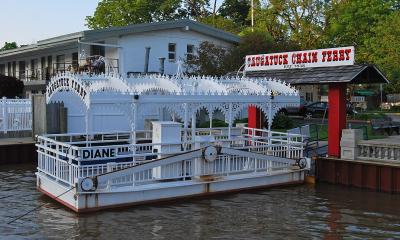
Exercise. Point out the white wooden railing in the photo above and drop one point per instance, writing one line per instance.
(15, 115)
(60, 156)
(182, 170)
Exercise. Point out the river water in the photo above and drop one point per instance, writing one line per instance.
(298, 212)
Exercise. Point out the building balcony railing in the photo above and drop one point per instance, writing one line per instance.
(45, 74)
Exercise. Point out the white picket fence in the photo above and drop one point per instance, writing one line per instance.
(15, 115)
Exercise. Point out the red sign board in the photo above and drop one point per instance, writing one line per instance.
(301, 59)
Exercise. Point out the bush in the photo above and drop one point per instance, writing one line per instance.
(243, 120)
(395, 109)
(282, 122)
(10, 87)
(215, 123)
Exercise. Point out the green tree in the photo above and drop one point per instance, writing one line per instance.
(194, 9)
(300, 21)
(256, 42)
(10, 87)
(8, 46)
(211, 59)
(384, 48)
(222, 23)
(351, 22)
(125, 12)
(236, 10)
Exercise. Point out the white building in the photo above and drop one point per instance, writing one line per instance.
(125, 48)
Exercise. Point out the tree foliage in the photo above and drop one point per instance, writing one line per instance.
(194, 8)
(217, 60)
(125, 12)
(10, 87)
(8, 46)
(351, 22)
(222, 23)
(236, 10)
(209, 60)
(384, 46)
(300, 21)
(371, 26)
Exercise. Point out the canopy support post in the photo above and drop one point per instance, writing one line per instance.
(193, 128)
(270, 119)
(87, 126)
(230, 121)
(336, 117)
(210, 115)
(255, 117)
(185, 126)
(133, 129)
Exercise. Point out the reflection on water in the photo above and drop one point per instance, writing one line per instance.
(300, 212)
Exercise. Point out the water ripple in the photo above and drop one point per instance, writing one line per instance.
(299, 212)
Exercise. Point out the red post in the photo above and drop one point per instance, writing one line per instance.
(255, 118)
(336, 117)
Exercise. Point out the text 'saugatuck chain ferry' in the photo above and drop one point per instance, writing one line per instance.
(135, 140)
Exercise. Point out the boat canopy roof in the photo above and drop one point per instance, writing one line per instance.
(143, 97)
(86, 85)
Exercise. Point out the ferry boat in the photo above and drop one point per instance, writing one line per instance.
(141, 156)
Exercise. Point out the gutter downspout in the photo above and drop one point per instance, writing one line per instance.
(146, 60)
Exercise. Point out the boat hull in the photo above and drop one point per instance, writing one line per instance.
(164, 191)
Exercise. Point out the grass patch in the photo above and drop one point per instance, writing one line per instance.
(320, 132)
(215, 123)
(368, 116)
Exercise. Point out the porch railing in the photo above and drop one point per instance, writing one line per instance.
(15, 115)
(46, 73)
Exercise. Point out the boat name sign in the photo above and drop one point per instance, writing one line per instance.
(98, 153)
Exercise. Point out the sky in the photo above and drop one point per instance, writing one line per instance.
(28, 21)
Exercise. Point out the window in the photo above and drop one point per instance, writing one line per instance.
(75, 58)
(60, 62)
(9, 69)
(309, 96)
(98, 50)
(43, 62)
(172, 51)
(49, 67)
(34, 69)
(14, 69)
(22, 70)
(2, 69)
(189, 52)
(75, 61)
(50, 62)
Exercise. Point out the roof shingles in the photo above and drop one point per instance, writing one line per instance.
(325, 75)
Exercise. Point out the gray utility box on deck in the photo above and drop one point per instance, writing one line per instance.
(167, 137)
(349, 142)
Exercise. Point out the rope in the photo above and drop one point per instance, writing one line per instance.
(38, 207)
